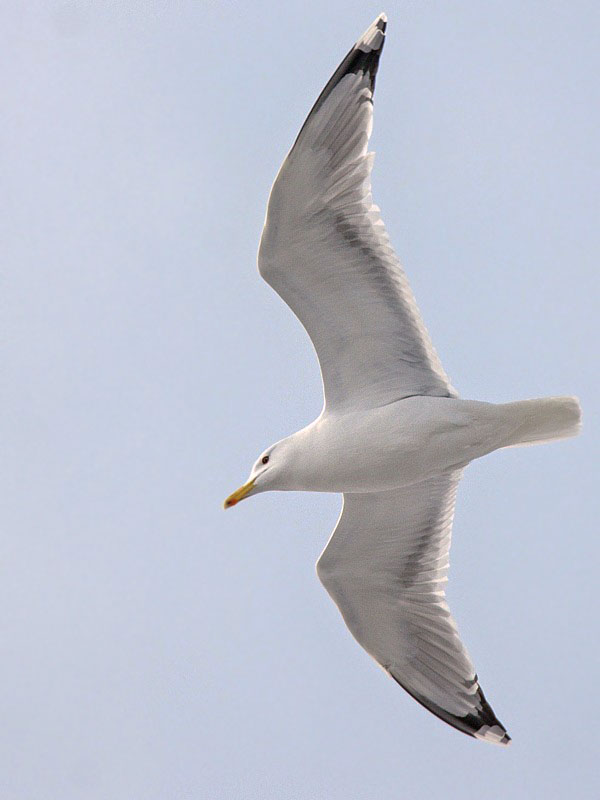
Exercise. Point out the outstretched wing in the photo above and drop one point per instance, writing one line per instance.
(325, 250)
(385, 567)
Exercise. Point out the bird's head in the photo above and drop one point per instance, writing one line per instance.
(269, 472)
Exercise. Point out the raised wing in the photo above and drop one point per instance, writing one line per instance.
(325, 250)
(385, 567)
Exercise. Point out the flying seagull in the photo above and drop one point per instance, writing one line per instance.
(393, 436)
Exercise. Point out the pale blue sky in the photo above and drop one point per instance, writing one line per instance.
(157, 648)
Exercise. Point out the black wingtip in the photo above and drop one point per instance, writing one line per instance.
(485, 724)
(366, 52)
(381, 21)
(482, 725)
(363, 57)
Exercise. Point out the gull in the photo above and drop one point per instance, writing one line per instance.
(394, 436)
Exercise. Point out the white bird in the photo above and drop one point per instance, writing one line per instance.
(393, 435)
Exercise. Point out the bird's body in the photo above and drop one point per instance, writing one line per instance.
(393, 445)
(405, 442)
(393, 437)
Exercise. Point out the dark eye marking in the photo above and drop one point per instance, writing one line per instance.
(265, 459)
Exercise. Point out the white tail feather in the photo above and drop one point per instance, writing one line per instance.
(543, 420)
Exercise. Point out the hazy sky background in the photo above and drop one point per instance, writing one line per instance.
(157, 648)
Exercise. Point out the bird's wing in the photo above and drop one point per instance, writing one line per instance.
(385, 567)
(325, 250)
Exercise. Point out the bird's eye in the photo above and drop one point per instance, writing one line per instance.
(265, 459)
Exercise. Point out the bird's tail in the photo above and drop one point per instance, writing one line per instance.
(542, 420)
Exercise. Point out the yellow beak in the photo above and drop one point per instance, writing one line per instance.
(239, 494)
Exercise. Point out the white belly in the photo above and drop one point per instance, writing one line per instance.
(397, 444)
